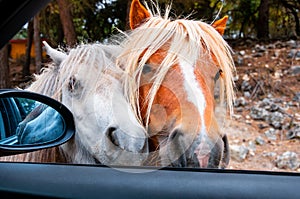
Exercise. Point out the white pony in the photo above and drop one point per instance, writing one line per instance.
(88, 83)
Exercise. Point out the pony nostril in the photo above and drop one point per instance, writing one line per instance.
(112, 136)
(175, 135)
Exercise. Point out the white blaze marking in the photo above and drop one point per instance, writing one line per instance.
(194, 91)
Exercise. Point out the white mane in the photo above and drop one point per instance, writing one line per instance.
(50, 82)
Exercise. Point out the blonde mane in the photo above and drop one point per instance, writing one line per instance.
(188, 39)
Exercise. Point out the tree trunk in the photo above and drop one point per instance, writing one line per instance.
(4, 68)
(263, 20)
(242, 33)
(67, 22)
(26, 67)
(294, 13)
(37, 44)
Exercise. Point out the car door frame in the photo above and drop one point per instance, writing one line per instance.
(96, 181)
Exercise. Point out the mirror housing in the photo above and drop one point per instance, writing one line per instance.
(47, 123)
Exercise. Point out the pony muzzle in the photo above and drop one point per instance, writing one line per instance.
(213, 153)
(125, 141)
(203, 152)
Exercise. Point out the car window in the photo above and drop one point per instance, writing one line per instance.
(262, 134)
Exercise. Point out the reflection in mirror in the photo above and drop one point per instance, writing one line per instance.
(25, 121)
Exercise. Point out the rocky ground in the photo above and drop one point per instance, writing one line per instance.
(264, 133)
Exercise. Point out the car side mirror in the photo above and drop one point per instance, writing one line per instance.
(31, 121)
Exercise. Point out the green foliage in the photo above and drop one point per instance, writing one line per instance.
(22, 34)
(101, 18)
(50, 24)
(243, 15)
(96, 20)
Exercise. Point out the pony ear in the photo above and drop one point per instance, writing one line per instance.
(138, 13)
(55, 55)
(220, 25)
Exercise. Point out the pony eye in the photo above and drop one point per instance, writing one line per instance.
(218, 75)
(74, 85)
(147, 68)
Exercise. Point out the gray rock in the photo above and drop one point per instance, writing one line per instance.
(242, 52)
(295, 70)
(297, 97)
(245, 86)
(280, 44)
(257, 113)
(241, 101)
(260, 49)
(269, 154)
(274, 107)
(271, 134)
(247, 94)
(258, 54)
(294, 133)
(269, 112)
(262, 125)
(292, 44)
(277, 100)
(292, 53)
(238, 153)
(252, 146)
(275, 119)
(265, 102)
(260, 141)
(271, 46)
(288, 160)
(240, 60)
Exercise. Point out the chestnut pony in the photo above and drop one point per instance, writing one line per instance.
(171, 66)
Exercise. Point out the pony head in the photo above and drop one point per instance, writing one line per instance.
(171, 67)
(89, 84)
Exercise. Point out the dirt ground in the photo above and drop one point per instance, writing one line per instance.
(263, 71)
(267, 68)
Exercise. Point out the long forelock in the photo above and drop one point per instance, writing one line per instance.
(80, 60)
(89, 61)
(185, 39)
